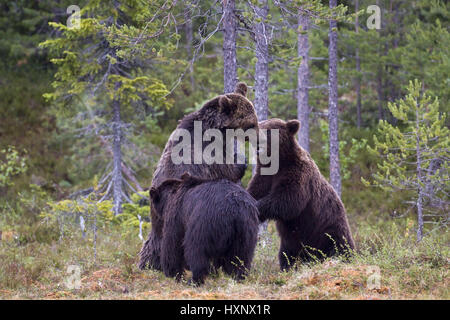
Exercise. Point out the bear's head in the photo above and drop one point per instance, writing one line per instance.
(162, 194)
(287, 131)
(230, 111)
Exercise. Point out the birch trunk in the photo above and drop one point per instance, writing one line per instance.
(262, 78)
(262, 64)
(229, 46)
(419, 180)
(335, 174)
(117, 158)
(303, 82)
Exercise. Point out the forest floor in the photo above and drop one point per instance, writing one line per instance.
(389, 265)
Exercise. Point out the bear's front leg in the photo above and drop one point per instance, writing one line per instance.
(259, 186)
(150, 253)
(281, 204)
(265, 207)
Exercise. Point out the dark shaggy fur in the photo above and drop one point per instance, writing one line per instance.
(308, 212)
(205, 222)
(230, 111)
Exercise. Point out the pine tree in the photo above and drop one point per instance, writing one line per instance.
(416, 155)
(101, 61)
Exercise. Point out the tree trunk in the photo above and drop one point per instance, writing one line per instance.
(262, 78)
(419, 181)
(335, 174)
(380, 77)
(262, 64)
(229, 46)
(117, 158)
(303, 81)
(189, 39)
(380, 94)
(358, 72)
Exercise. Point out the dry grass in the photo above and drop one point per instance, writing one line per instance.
(38, 270)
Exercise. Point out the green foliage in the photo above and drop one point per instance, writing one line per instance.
(133, 213)
(33, 199)
(23, 24)
(348, 152)
(411, 44)
(415, 150)
(12, 165)
(95, 56)
(109, 60)
(88, 213)
(425, 55)
(421, 129)
(320, 13)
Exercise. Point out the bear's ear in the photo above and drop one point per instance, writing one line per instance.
(241, 88)
(185, 176)
(226, 105)
(154, 194)
(293, 126)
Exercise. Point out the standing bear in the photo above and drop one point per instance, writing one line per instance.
(310, 216)
(205, 222)
(229, 111)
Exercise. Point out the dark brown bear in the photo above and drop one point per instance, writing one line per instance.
(309, 214)
(230, 111)
(205, 222)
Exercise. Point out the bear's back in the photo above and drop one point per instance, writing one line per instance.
(220, 199)
(219, 215)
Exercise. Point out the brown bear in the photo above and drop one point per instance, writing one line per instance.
(310, 217)
(229, 111)
(205, 222)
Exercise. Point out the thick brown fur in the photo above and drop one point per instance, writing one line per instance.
(205, 223)
(309, 214)
(230, 111)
